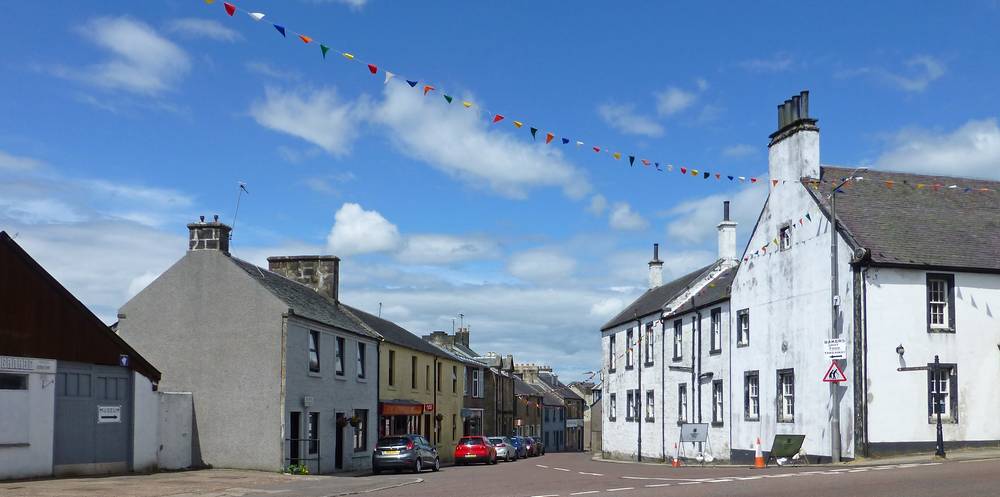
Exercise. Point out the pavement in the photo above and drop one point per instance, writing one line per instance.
(964, 473)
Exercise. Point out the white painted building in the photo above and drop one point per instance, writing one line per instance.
(918, 275)
(666, 362)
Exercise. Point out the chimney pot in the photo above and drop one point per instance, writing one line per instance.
(804, 96)
(725, 210)
(727, 235)
(655, 268)
(796, 108)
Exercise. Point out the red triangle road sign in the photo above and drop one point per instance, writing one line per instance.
(834, 374)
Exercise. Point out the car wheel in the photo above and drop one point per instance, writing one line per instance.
(437, 465)
(417, 466)
(376, 471)
(507, 458)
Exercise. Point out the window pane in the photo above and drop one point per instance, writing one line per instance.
(314, 351)
(13, 381)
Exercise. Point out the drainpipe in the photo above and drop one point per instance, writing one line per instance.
(435, 394)
(663, 389)
(638, 366)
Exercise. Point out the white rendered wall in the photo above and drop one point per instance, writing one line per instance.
(27, 425)
(789, 297)
(897, 315)
(146, 426)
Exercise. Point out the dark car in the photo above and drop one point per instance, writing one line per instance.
(475, 449)
(531, 446)
(539, 446)
(519, 446)
(404, 452)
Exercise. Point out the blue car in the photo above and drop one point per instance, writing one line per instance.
(520, 445)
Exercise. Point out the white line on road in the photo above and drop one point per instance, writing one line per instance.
(748, 477)
(720, 480)
(590, 474)
(620, 489)
(689, 483)
(542, 466)
(859, 470)
(662, 479)
(546, 495)
(655, 485)
(561, 469)
(585, 493)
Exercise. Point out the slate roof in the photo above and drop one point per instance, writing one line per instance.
(904, 226)
(394, 333)
(304, 301)
(653, 299)
(522, 387)
(719, 289)
(557, 387)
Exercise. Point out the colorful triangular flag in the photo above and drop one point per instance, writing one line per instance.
(497, 118)
(809, 217)
(281, 29)
(448, 98)
(518, 124)
(597, 149)
(774, 182)
(428, 88)
(548, 138)
(533, 132)
(412, 84)
(617, 155)
(388, 76)
(631, 161)
(707, 174)
(255, 15)
(684, 170)
(305, 39)
(565, 141)
(230, 8)
(372, 68)
(348, 56)
(323, 48)
(467, 104)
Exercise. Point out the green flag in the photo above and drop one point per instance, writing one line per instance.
(448, 98)
(325, 49)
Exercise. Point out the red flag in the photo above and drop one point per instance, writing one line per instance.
(718, 176)
(497, 118)
(230, 8)
(753, 180)
(549, 137)
(644, 162)
(429, 88)
(372, 68)
(774, 182)
(684, 170)
(597, 149)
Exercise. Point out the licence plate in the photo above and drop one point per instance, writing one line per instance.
(391, 452)
(470, 455)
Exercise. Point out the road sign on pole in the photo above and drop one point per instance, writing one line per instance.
(835, 348)
(834, 374)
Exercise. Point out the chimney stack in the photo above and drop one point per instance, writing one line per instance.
(655, 268)
(727, 235)
(462, 335)
(793, 153)
(211, 235)
(319, 272)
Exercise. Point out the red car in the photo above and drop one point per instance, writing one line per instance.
(475, 449)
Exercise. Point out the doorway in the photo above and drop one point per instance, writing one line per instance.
(338, 448)
(294, 434)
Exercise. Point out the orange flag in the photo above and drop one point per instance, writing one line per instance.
(305, 39)
(549, 137)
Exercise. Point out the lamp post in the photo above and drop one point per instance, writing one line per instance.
(937, 405)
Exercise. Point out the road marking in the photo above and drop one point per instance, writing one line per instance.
(590, 474)
(838, 470)
(561, 469)
(585, 493)
(655, 485)
(783, 475)
(859, 470)
(689, 483)
(720, 480)
(542, 466)
(662, 479)
(981, 460)
(620, 489)
(749, 477)
(546, 495)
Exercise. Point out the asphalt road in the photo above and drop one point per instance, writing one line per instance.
(574, 474)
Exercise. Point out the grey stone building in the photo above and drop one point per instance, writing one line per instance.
(279, 373)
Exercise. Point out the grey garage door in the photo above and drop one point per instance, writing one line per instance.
(92, 419)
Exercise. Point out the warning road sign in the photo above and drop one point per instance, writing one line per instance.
(834, 374)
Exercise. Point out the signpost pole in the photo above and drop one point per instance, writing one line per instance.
(835, 297)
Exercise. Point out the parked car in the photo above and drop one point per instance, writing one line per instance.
(505, 448)
(519, 445)
(404, 452)
(475, 449)
(531, 446)
(539, 446)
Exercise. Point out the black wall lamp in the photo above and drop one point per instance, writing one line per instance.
(900, 350)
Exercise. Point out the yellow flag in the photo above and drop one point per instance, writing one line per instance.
(694, 172)
(467, 104)
(348, 56)
(210, 2)
(618, 155)
(518, 124)
(920, 186)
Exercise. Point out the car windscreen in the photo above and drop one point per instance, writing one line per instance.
(496, 440)
(470, 441)
(393, 441)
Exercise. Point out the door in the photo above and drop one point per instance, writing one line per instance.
(427, 426)
(338, 449)
(93, 423)
(294, 437)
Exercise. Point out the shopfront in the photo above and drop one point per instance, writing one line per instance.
(399, 417)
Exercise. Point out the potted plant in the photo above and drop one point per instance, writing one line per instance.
(439, 417)
(342, 422)
(355, 421)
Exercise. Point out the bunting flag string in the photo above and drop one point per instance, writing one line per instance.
(231, 10)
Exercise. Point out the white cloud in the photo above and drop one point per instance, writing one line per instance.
(597, 204)
(543, 266)
(695, 221)
(624, 119)
(445, 249)
(673, 100)
(357, 231)
(606, 308)
(776, 63)
(460, 143)
(921, 72)
(14, 163)
(740, 150)
(622, 217)
(141, 61)
(194, 27)
(316, 116)
(631, 267)
(971, 150)
(266, 69)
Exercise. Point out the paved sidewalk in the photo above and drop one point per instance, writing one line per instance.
(206, 483)
(953, 455)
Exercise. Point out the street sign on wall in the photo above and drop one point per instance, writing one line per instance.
(834, 374)
(835, 348)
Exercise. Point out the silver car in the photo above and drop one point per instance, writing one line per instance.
(505, 449)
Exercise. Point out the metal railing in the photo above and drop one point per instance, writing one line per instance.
(308, 450)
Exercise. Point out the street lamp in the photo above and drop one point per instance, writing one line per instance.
(900, 350)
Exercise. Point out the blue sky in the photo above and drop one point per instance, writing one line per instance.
(123, 121)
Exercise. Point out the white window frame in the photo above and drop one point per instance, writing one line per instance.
(945, 377)
(785, 237)
(629, 352)
(611, 353)
(716, 330)
(786, 395)
(629, 405)
(649, 344)
(314, 351)
(752, 385)
(476, 384)
(682, 403)
(650, 406)
(743, 327)
(362, 364)
(718, 404)
(678, 339)
(612, 407)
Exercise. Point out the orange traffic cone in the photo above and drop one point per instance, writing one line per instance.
(758, 459)
(676, 463)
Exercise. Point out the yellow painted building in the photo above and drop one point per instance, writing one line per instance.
(421, 387)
